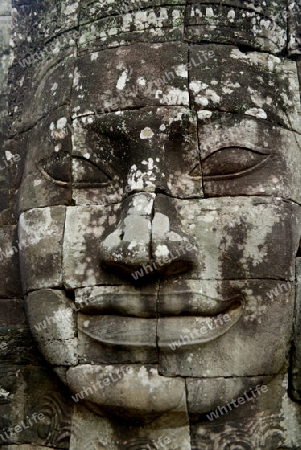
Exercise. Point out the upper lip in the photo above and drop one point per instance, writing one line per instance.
(127, 301)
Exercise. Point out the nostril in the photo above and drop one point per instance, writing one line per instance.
(122, 235)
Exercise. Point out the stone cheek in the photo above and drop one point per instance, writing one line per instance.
(53, 324)
(41, 233)
(249, 357)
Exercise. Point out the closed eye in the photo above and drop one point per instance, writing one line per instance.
(232, 162)
(66, 170)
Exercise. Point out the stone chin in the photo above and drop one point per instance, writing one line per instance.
(134, 392)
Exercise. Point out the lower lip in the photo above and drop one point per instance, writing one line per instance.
(134, 333)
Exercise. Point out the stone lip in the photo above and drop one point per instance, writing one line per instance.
(138, 392)
(176, 333)
(129, 301)
(134, 333)
(179, 302)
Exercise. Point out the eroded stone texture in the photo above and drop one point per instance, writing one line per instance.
(38, 392)
(84, 230)
(54, 326)
(113, 394)
(296, 356)
(221, 227)
(294, 27)
(89, 430)
(267, 427)
(153, 24)
(16, 344)
(47, 174)
(256, 25)
(159, 221)
(256, 306)
(42, 247)
(256, 84)
(126, 300)
(101, 337)
(135, 82)
(263, 158)
(9, 262)
(50, 85)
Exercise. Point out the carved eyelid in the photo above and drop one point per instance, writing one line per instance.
(240, 172)
(82, 184)
(233, 144)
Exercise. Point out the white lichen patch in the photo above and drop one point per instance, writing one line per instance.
(122, 80)
(209, 12)
(94, 56)
(8, 155)
(160, 224)
(146, 133)
(61, 123)
(70, 9)
(4, 394)
(259, 113)
(162, 251)
(197, 86)
(204, 114)
(141, 81)
(181, 71)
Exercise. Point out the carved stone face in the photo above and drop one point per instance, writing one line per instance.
(157, 227)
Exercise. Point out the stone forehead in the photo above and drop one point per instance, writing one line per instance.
(152, 40)
(205, 78)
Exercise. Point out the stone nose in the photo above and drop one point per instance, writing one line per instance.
(147, 239)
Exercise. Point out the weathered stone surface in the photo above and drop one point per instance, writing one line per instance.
(243, 156)
(124, 300)
(119, 248)
(296, 357)
(49, 84)
(228, 230)
(36, 23)
(16, 344)
(294, 28)
(93, 351)
(9, 262)
(138, 391)
(128, 158)
(91, 430)
(84, 230)
(41, 249)
(256, 25)
(255, 84)
(135, 83)
(154, 24)
(47, 172)
(132, 333)
(100, 8)
(206, 395)
(260, 423)
(266, 306)
(41, 393)
(141, 145)
(53, 324)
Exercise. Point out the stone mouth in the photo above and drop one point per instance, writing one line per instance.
(165, 333)
(127, 301)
